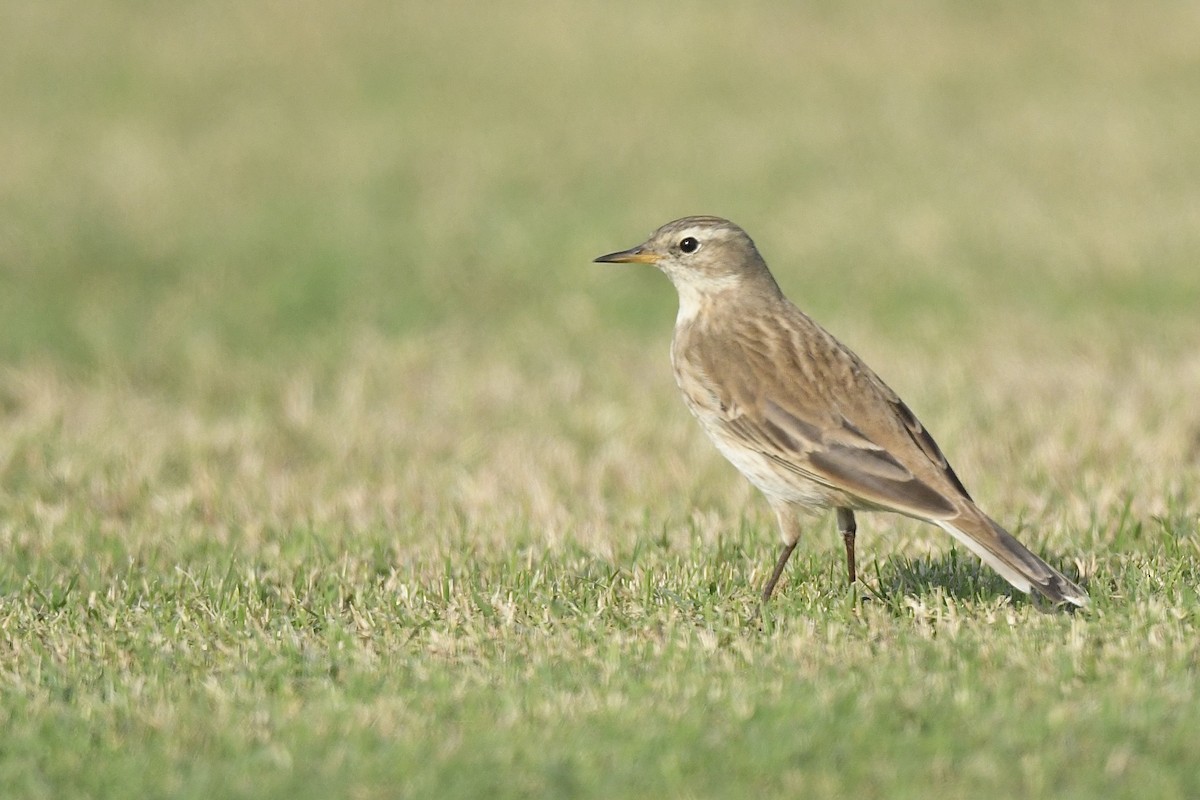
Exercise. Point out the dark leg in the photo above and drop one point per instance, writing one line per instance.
(779, 565)
(789, 530)
(848, 527)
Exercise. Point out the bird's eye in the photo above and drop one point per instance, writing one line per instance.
(689, 245)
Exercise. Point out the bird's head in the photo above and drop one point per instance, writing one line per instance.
(698, 254)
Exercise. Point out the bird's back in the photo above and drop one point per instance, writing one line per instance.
(789, 390)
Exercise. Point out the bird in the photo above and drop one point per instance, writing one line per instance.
(802, 417)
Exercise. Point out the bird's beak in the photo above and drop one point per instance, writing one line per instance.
(634, 255)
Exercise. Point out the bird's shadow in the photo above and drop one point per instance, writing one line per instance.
(958, 575)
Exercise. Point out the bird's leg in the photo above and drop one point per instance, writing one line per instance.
(779, 565)
(848, 527)
(789, 529)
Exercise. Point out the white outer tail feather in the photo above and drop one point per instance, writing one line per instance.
(1006, 571)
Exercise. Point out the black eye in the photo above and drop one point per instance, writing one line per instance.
(689, 245)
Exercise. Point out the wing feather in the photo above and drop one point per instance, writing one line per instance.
(812, 407)
(845, 459)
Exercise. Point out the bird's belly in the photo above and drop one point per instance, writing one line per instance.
(774, 480)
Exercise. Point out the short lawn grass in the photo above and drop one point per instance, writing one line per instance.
(331, 467)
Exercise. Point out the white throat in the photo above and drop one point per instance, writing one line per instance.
(695, 292)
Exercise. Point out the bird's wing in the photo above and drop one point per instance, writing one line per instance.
(844, 428)
(922, 439)
(842, 457)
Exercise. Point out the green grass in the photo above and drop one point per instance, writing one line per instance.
(331, 466)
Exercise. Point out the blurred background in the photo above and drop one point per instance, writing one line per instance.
(269, 180)
(331, 465)
(330, 259)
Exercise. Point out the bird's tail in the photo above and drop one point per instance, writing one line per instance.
(1003, 553)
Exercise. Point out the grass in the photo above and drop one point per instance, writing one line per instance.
(330, 466)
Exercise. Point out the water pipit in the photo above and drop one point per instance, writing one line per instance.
(801, 416)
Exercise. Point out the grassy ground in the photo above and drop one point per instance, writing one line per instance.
(330, 466)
